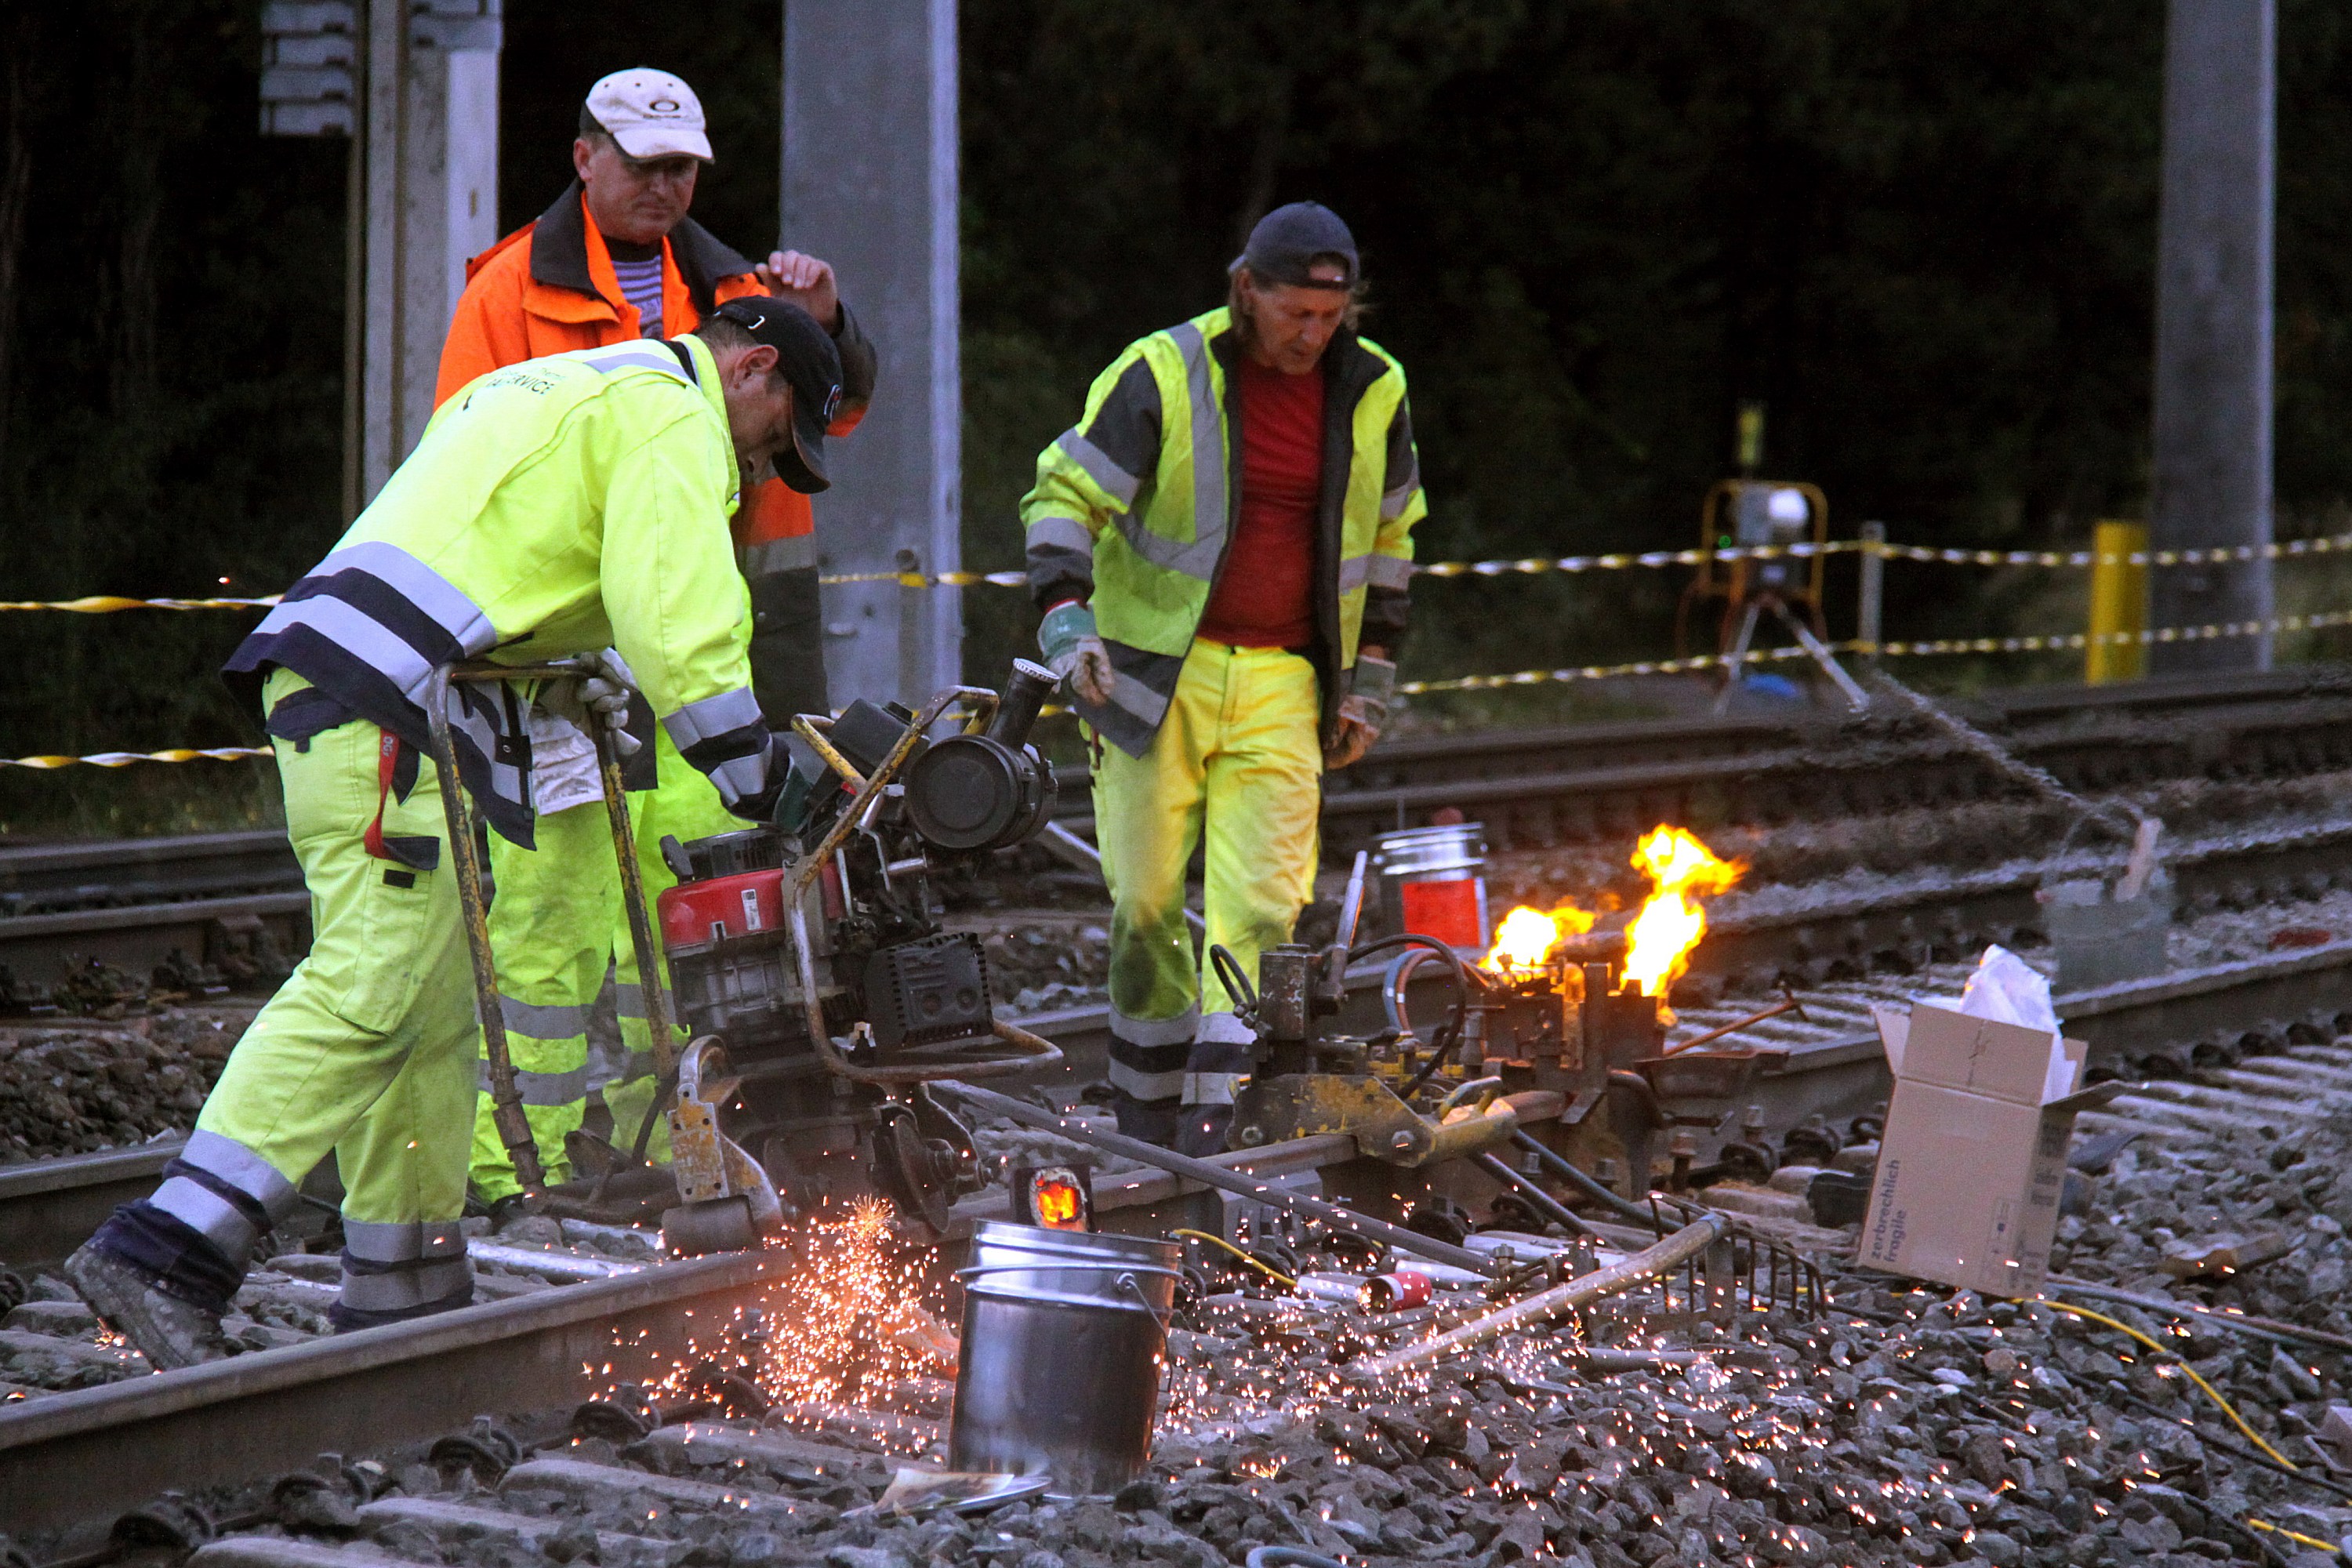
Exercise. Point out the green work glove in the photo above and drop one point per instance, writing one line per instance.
(1066, 637)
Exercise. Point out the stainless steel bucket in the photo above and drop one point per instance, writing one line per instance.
(1433, 881)
(1063, 1336)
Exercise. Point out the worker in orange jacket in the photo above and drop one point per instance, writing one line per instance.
(614, 259)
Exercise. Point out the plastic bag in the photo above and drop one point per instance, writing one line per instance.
(2008, 990)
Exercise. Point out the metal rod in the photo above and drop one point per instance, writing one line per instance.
(1737, 657)
(1576, 1177)
(1541, 1201)
(1788, 1005)
(1643, 1265)
(1856, 698)
(1218, 1177)
(506, 1096)
(641, 934)
(804, 726)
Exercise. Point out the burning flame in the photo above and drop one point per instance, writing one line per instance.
(1658, 944)
(1526, 937)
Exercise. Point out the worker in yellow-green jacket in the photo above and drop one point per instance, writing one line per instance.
(1222, 546)
(560, 507)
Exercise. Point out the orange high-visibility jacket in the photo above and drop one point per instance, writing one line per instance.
(549, 288)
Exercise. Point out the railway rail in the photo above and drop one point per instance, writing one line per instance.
(132, 902)
(2239, 1034)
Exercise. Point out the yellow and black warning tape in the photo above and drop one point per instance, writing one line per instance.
(2062, 643)
(124, 759)
(1531, 565)
(2057, 643)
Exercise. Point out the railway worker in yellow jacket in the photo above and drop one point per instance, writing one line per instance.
(561, 506)
(1222, 546)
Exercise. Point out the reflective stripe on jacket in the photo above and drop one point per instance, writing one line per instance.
(552, 508)
(1134, 507)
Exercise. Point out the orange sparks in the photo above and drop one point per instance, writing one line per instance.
(1528, 935)
(1658, 944)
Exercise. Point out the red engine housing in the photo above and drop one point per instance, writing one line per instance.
(696, 914)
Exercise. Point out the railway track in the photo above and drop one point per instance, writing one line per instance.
(219, 898)
(2228, 1021)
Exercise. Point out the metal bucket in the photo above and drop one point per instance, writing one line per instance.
(1433, 881)
(1063, 1336)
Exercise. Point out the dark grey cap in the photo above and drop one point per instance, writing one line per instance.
(1288, 238)
(808, 358)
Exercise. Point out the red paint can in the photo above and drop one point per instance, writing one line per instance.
(1433, 881)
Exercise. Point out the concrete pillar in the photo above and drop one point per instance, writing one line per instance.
(2211, 481)
(869, 183)
(431, 162)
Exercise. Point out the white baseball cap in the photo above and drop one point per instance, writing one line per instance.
(650, 113)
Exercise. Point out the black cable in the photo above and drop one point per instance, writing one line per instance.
(1448, 1034)
(1441, 1045)
(1589, 1186)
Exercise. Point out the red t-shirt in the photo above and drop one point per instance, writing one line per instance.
(1267, 596)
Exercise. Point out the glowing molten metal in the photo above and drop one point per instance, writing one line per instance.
(1658, 944)
(1526, 937)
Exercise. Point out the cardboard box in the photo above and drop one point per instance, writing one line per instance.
(1974, 1155)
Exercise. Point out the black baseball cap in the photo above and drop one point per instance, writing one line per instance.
(1287, 239)
(806, 355)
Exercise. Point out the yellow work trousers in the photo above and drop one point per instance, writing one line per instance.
(558, 937)
(1235, 767)
(366, 1049)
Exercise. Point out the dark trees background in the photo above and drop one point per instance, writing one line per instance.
(1920, 234)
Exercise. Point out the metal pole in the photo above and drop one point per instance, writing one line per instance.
(2210, 481)
(1677, 1248)
(641, 936)
(505, 1098)
(869, 170)
(1873, 604)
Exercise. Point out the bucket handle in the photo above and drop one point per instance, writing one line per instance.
(1127, 1281)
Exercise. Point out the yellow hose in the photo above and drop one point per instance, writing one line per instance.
(1276, 1275)
(2210, 1393)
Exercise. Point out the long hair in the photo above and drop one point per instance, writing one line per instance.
(1245, 323)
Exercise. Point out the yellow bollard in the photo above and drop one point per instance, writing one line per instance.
(2119, 604)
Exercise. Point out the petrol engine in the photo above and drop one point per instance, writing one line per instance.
(813, 955)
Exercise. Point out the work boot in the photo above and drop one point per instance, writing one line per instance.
(170, 1333)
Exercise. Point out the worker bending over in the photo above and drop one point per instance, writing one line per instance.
(615, 259)
(559, 507)
(1221, 545)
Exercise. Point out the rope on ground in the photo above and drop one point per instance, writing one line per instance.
(1531, 565)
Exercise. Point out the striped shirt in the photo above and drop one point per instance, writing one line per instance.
(640, 285)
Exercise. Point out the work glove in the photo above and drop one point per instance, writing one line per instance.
(1066, 637)
(601, 700)
(1363, 713)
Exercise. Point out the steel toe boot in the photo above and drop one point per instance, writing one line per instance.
(170, 1333)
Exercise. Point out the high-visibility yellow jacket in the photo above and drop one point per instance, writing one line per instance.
(1135, 505)
(549, 288)
(555, 507)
